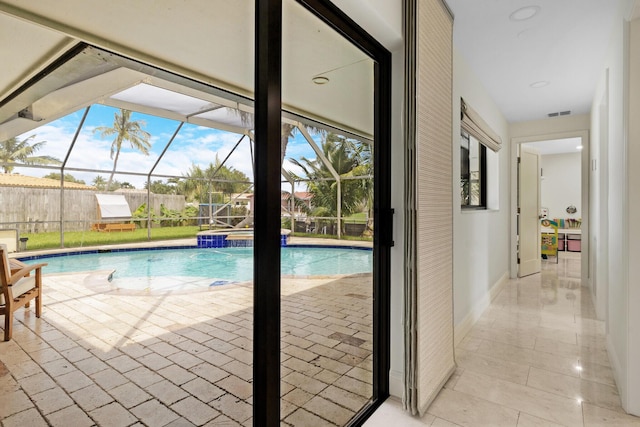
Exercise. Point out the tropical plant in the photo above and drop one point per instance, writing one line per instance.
(126, 185)
(189, 213)
(217, 179)
(238, 214)
(170, 217)
(348, 159)
(287, 131)
(161, 187)
(67, 178)
(125, 129)
(99, 182)
(13, 151)
(365, 168)
(141, 215)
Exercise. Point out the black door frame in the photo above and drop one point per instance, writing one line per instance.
(268, 105)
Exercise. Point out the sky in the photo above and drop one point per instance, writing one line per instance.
(193, 145)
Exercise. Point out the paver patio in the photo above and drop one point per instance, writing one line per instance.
(117, 358)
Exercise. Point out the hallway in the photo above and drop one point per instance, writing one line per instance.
(537, 356)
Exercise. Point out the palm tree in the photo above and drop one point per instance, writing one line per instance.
(13, 151)
(99, 182)
(349, 159)
(125, 129)
(195, 187)
(67, 178)
(200, 181)
(287, 131)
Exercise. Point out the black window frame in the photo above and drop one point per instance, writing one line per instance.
(266, 386)
(465, 173)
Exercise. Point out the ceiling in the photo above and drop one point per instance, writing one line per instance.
(557, 146)
(210, 43)
(564, 44)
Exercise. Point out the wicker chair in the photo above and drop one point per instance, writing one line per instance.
(17, 288)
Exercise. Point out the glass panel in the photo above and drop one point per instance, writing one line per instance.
(475, 172)
(465, 197)
(471, 167)
(173, 326)
(327, 200)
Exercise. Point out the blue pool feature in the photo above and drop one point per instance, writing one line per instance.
(233, 238)
(218, 266)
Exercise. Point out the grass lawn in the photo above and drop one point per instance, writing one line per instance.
(360, 217)
(332, 236)
(74, 239)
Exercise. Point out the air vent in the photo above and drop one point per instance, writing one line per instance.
(560, 113)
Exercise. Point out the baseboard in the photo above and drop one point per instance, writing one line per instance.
(618, 375)
(396, 384)
(462, 329)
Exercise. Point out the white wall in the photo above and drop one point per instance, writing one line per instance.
(632, 397)
(561, 184)
(383, 20)
(481, 238)
(599, 200)
(617, 327)
(380, 18)
(616, 153)
(396, 374)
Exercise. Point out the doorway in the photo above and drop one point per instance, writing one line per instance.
(560, 196)
(564, 194)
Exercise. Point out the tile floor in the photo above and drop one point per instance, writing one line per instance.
(103, 357)
(537, 357)
(96, 357)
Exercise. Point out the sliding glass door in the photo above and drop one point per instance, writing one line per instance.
(332, 198)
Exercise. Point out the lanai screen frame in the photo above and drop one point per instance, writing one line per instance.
(83, 53)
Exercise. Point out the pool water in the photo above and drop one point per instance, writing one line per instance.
(223, 265)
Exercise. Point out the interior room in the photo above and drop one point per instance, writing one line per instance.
(561, 192)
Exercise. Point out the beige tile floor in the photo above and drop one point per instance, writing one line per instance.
(537, 357)
(101, 356)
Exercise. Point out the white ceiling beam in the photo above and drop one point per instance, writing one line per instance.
(185, 90)
(67, 99)
(110, 45)
(216, 125)
(144, 109)
(63, 46)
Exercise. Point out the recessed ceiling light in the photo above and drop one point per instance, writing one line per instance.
(539, 84)
(579, 147)
(524, 13)
(320, 80)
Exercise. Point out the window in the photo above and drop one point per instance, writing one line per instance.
(473, 175)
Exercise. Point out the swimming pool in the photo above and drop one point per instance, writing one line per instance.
(134, 269)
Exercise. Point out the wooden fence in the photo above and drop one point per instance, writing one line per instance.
(38, 209)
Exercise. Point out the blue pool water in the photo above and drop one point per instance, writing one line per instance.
(224, 264)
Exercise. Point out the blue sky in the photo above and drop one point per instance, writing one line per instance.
(193, 145)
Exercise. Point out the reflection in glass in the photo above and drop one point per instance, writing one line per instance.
(327, 318)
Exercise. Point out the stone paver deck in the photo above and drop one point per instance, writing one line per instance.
(100, 357)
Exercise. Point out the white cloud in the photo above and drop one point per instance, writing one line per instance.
(193, 145)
